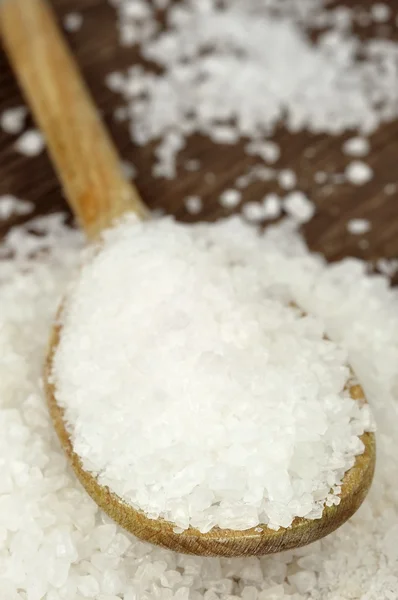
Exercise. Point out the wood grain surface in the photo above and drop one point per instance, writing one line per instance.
(97, 50)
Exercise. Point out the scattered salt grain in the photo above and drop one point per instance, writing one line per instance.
(73, 21)
(320, 177)
(215, 76)
(30, 143)
(390, 189)
(357, 310)
(287, 179)
(358, 226)
(11, 206)
(299, 206)
(388, 267)
(272, 206)
(253, 211)
(358, 173)
(224, 134)
(356, 146)
(12, 119)
(229, 353)
(380, 12)
(193, 204)
(230, 198)
(269, 151)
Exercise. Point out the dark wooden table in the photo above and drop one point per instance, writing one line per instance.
(98, 53)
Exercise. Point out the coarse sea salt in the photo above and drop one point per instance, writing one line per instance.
(12, 119)
(272, 205)
(30, 143)
(299, 206)
(358, 173)
(215, 76)
(11, 206)
(210, 354)
(193, 204)
(57, 545)
(359, 226)
(230, 198)
(73, 21)
(356, 146)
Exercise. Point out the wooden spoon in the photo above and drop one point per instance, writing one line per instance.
(89, 167)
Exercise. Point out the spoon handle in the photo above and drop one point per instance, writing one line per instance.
(82, 151)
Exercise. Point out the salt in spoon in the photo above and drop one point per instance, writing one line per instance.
(98, 193)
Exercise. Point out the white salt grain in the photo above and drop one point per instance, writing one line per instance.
(299, 206)
(11, 206)
(358, 226)
(52, 510)
(358, 173)
(12, 119)
(73, 21)
(272, 206)
(356, 146)
(193, 204)
(230, 198)
(30, 143)
(320, 177)
(287, 179)
(380, 12)
(390, 189)
(269, 151)
(388, 267)
(253, 211)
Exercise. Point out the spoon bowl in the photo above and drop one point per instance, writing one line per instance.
(256, 541)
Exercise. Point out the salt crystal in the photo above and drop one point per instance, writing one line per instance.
(358, 173)
(298, 206)
(224, 134)
(269, 151)
(287, 179)
(390, 189)
(193, 204)
(272, 206)
(230, 198)
(388, 267)
(73, 21)
(30, 143)
(380, 12)
(253, 211)
(356, 146)
(358, 226)
(12, 119)
(10, 206)
(320, 177)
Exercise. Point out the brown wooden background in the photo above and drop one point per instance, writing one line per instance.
(98, 53)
